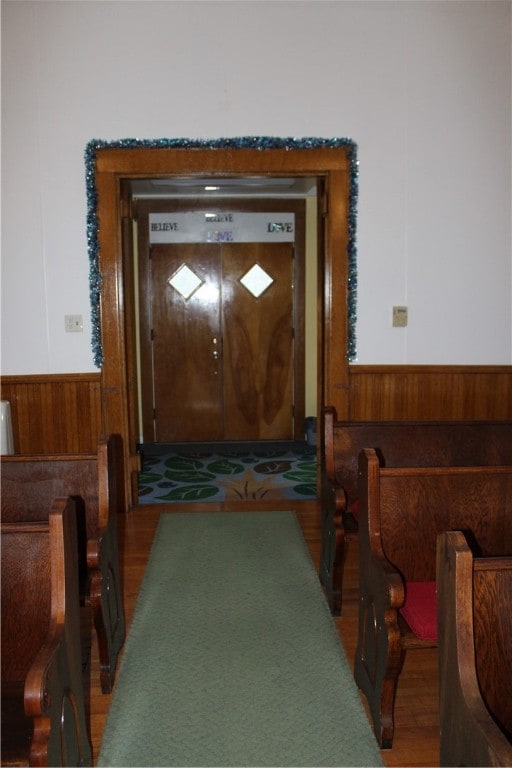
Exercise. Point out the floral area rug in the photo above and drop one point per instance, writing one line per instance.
(222, 472)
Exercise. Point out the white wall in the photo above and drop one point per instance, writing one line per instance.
(424, 88)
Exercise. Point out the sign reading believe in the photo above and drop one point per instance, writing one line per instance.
(221, 227)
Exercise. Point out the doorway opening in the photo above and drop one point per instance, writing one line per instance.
(113, 167)
(226, 312)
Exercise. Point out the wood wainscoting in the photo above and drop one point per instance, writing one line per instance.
(429, 392)
(61, 413)
(54, 413)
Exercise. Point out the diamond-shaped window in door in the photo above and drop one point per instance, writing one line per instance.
(185, 281)
(256, 280)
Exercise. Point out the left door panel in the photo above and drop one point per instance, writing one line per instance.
(185, 290)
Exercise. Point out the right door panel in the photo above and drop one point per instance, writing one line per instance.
(257, 322)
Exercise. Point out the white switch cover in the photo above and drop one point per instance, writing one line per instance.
(73, 323)
(399, 317)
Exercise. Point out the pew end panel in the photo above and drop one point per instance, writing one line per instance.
(333, 508)
(402, 510)
(475, 654)
(43, 713)
(105, 588)
(379, 654)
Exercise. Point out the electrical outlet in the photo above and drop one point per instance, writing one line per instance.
(73, 323)
(399, 317)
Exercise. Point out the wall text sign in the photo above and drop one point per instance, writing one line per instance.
(221, 227)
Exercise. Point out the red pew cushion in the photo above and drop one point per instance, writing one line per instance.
(420, 608)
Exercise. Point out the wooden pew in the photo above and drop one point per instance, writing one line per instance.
(399, 444)
(43, 715)
(30, 482)
(474, 604)
(401, 513)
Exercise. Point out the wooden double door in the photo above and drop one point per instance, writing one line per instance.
(222, 341)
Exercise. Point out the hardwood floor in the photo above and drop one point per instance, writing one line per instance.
(416, 712)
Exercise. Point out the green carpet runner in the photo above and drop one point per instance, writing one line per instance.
(233, 658)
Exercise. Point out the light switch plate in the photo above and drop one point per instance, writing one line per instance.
(73, 323)
(399, 317)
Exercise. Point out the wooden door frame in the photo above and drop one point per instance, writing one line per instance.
(143, 207)
(113, 165)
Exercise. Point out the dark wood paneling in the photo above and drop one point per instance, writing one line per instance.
(61, 413)
(54, 413)
(378, 392)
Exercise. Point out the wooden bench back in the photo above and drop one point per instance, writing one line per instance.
(26, 596)
(409, 507)
(475, 654)
(31, 482)
(412, 444)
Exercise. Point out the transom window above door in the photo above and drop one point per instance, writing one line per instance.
(210, 226)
